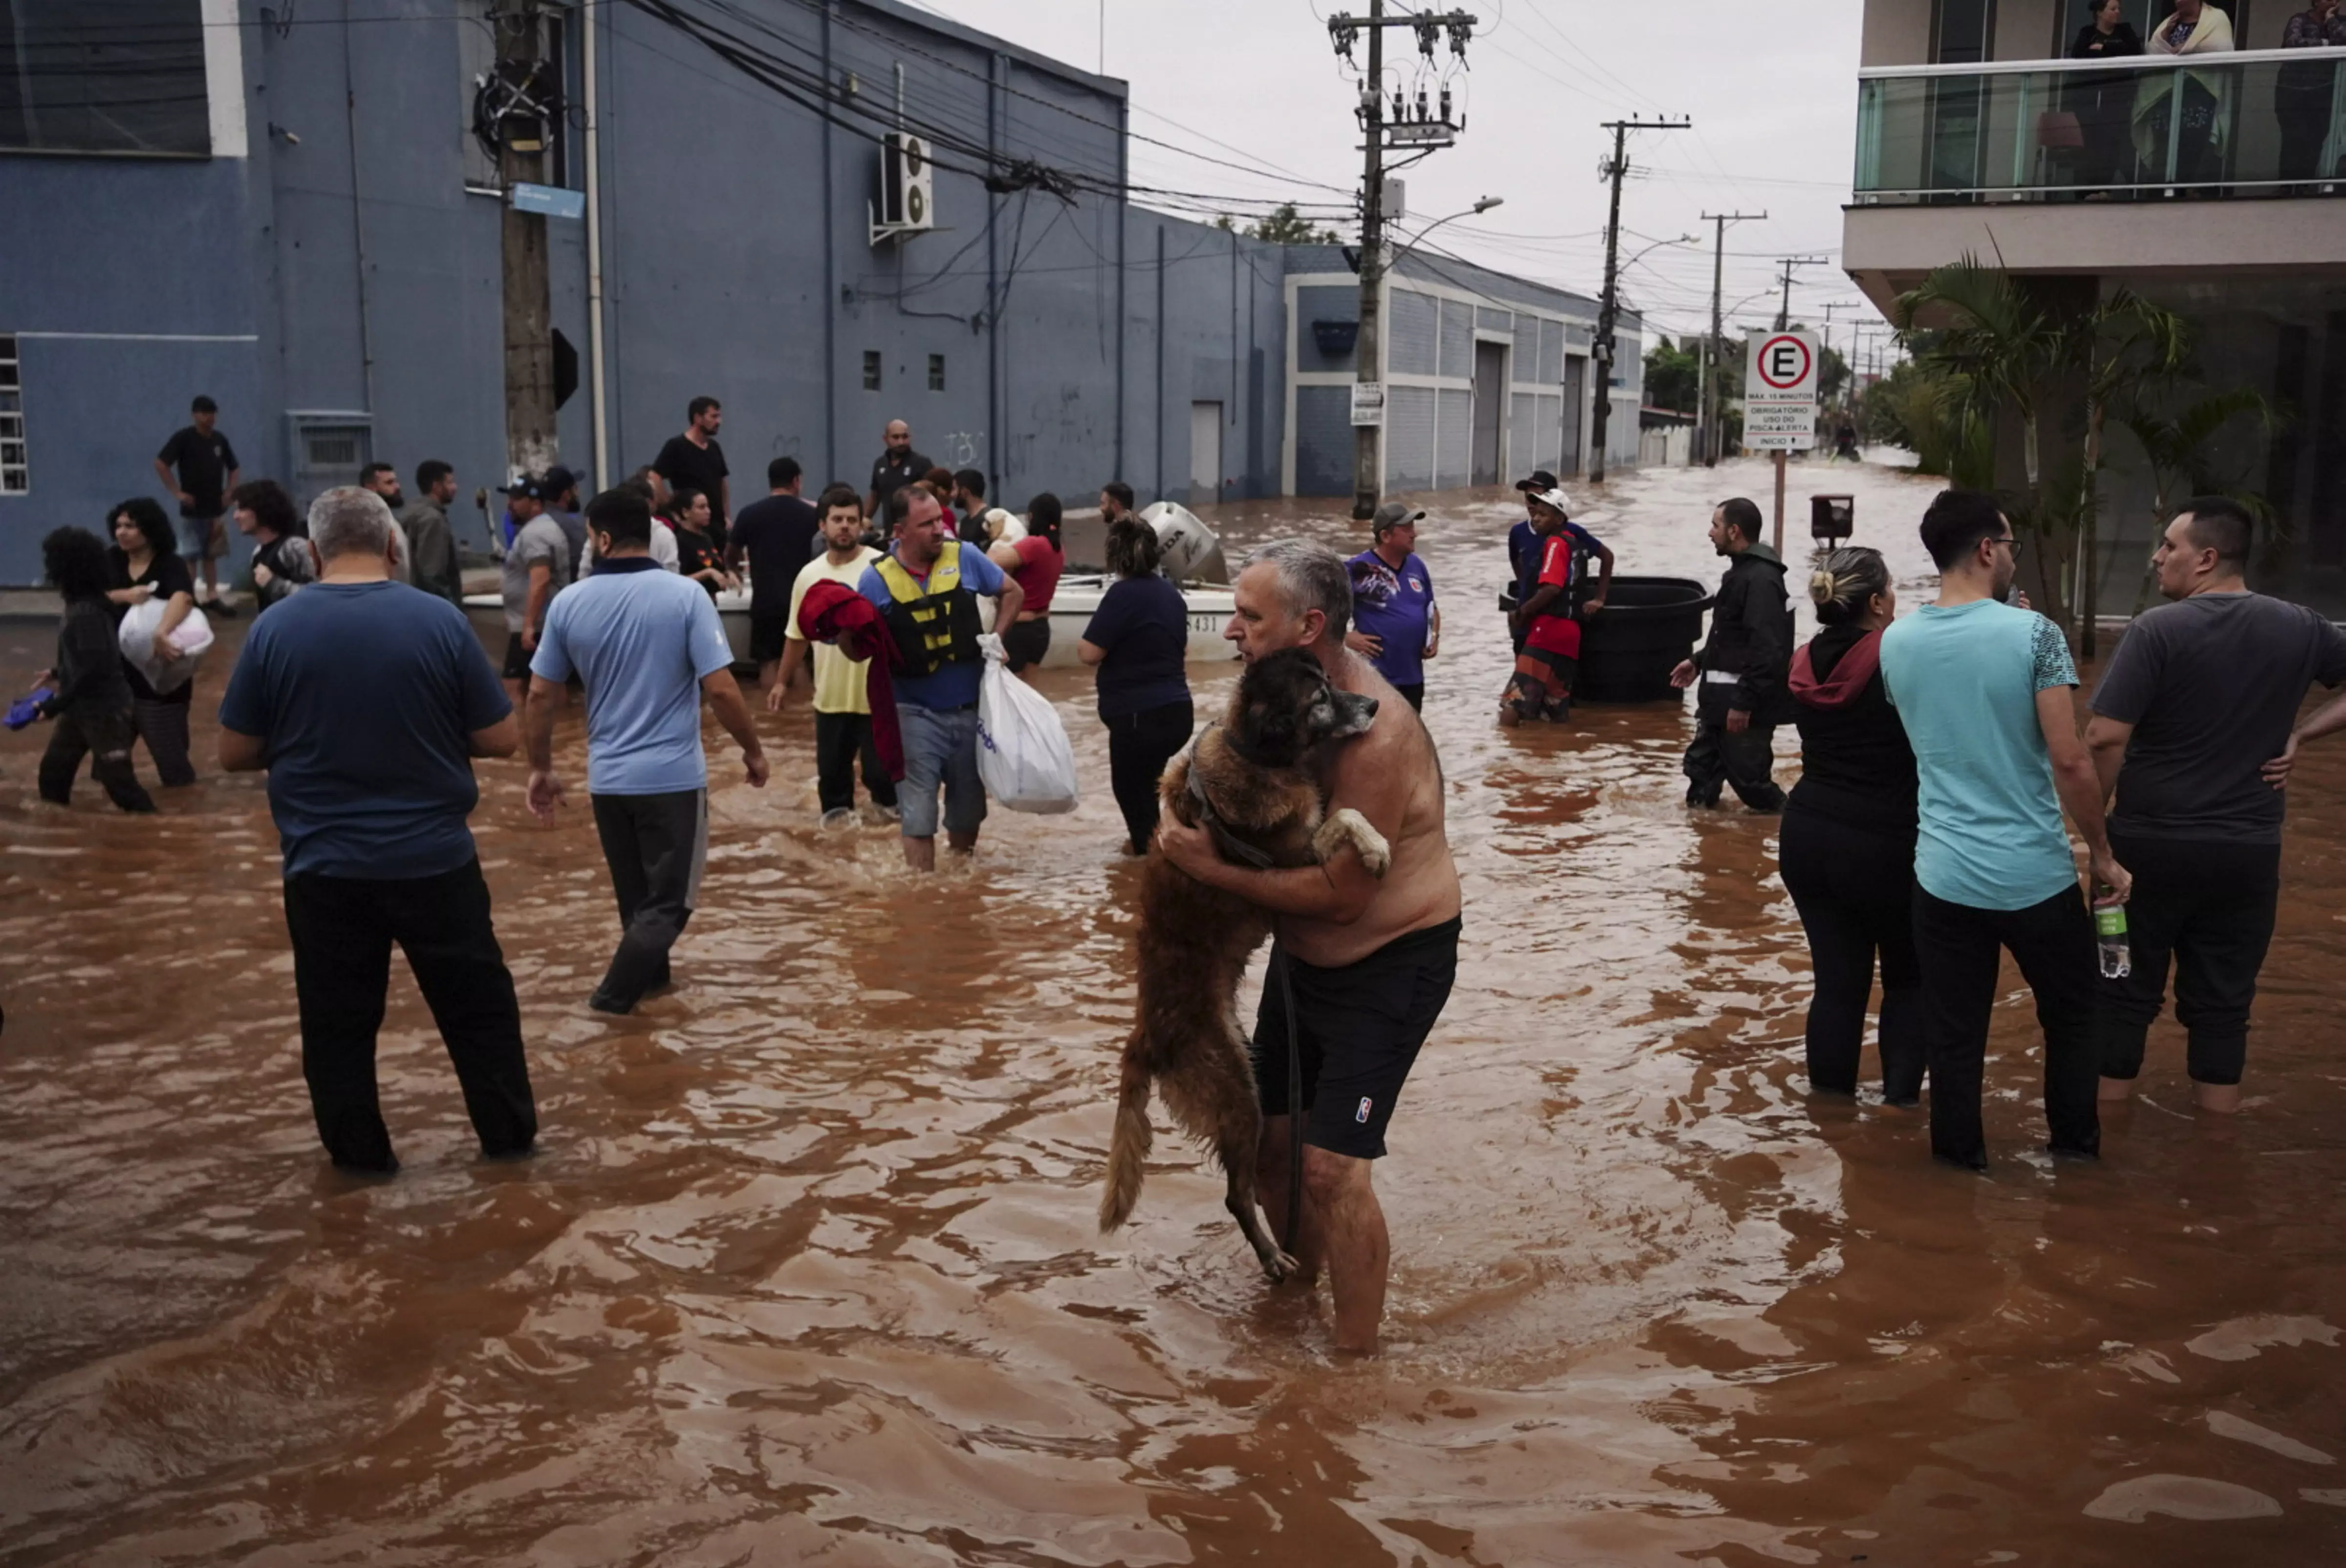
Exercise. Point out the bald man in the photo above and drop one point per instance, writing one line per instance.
(898, 464)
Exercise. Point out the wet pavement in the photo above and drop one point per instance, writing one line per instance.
(806, 1269)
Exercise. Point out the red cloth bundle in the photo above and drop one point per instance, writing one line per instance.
(836, 614)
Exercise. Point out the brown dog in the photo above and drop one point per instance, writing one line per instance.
(1248, 779)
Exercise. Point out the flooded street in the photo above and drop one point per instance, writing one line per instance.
(807, 1267)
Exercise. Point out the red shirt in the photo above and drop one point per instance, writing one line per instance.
(1554, 630)
(1037, 571)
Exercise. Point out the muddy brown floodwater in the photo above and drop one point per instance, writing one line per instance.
(806, 1269)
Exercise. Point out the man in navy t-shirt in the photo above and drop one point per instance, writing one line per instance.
(366, 701)
(1396, 626)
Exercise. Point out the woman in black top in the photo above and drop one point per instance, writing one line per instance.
(89, 710)
(1848, 843)
(146, 564)
(697, 556)
(2104, 103)
(1138, 639)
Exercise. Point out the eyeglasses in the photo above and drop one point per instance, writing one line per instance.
(2009, 539)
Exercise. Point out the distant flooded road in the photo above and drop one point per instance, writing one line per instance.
(807, 1267)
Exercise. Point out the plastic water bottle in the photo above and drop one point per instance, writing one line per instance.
(2110, 934)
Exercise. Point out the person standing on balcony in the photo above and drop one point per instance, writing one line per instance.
(2195, 28)
(2100, 100)
(2302, 93)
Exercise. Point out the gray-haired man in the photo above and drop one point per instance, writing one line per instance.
(1370, 961)
(366, 701)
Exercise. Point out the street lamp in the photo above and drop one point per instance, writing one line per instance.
(1485, 205)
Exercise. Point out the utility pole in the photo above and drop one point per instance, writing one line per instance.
(1424, 131)
(1714, 352)
(1784, 314)
(527, 117)
(1608, 310)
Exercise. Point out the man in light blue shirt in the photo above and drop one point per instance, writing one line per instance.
(1982, 689)
(926, 588)
(648, 646)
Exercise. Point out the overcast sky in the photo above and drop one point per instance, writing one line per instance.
(1772, 94)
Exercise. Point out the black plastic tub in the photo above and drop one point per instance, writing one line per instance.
(1647, 627)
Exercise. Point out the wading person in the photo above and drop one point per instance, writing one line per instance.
(1138, 641)
(280, 555)
(1370, 962)
(896, 466)
(1527, 552)
(431, 541)
(1034, 563)
(1396, 624)
(842, 701)
(536, 567)
(694, 461)
(88, 708)
(1548, 617)
(649, 646)
(777, 536)
(2200, 694)
(366, 700)
(1982, 690)
(1741, 668)
(927, 587)
(142, 566)
(199, 467)
(1848, 844)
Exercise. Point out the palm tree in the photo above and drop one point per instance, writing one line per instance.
(2016, 352)
(2176, 442)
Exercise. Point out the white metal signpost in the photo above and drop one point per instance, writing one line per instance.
(1779, 402)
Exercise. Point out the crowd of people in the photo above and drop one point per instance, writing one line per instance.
(1926, 835)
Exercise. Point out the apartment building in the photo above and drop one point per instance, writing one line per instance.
(2212, 184)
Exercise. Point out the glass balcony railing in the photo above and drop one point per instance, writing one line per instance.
(2264, 123)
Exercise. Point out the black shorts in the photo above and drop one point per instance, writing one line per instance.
(1026, 642)
(768, 631)
(518, 657)
(1361, 1025)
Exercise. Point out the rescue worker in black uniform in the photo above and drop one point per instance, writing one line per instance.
(1742, 669)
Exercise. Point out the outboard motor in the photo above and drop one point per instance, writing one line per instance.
(1190, 551)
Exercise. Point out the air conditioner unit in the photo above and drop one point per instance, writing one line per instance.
(907, 187)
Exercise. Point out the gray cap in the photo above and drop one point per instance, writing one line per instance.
(1392, 515)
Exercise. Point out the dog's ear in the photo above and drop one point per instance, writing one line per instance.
(1273, 733)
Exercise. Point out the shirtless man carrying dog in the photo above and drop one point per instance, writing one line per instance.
(1370, 961)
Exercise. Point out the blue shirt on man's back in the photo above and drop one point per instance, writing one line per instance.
(366, 695)
(642, 639)
(955, 685)
(1965, 680)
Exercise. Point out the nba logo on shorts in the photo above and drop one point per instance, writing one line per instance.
(1362, 1115)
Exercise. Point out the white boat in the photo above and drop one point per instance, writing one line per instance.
(1078, 596)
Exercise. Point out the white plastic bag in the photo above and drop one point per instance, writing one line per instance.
(135, 635)
(1023, 756)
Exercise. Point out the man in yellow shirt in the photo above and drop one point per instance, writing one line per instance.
(842, 714)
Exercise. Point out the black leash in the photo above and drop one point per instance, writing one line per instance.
(1233, 849)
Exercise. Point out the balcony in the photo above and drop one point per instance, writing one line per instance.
(2266, 123)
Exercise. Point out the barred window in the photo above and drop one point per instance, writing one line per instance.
(16, 476)
(126, 76)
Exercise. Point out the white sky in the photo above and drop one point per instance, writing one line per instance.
(1772, 92)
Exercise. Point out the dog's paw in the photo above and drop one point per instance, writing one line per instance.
(1375, 853)
(1279, 1268)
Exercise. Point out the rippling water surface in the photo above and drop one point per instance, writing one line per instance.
(807, 1268)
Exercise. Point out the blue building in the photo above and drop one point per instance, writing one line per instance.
(290, 212)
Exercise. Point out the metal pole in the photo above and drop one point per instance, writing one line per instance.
(1779, 502)
(1608, 310)
(593, 132)
(1714, 353)
(1368, 464)
(530, 441)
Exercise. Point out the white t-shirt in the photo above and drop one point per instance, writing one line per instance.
(664, 548)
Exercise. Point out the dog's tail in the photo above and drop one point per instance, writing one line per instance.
(1128, 1150)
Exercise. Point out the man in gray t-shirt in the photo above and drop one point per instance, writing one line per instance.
(2198, 701)
(536, 567)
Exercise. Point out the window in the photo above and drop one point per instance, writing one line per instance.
(15, 479)
(870, 370)
(128, 76)
(1964, 31)
(936, 372)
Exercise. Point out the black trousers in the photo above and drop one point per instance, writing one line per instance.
(1139, 744)
(2209, 907)
(103, 735)
(2302, 105)
(2052, 941)
(1854, 888)
(656, 846)
(839, 740)
(163, 726)
(1026, 642)
(1717, 756)
(342, 930)
(1413, 694)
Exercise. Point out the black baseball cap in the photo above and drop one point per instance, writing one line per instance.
(532, 485)
(557, 480)
(1540, 481)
